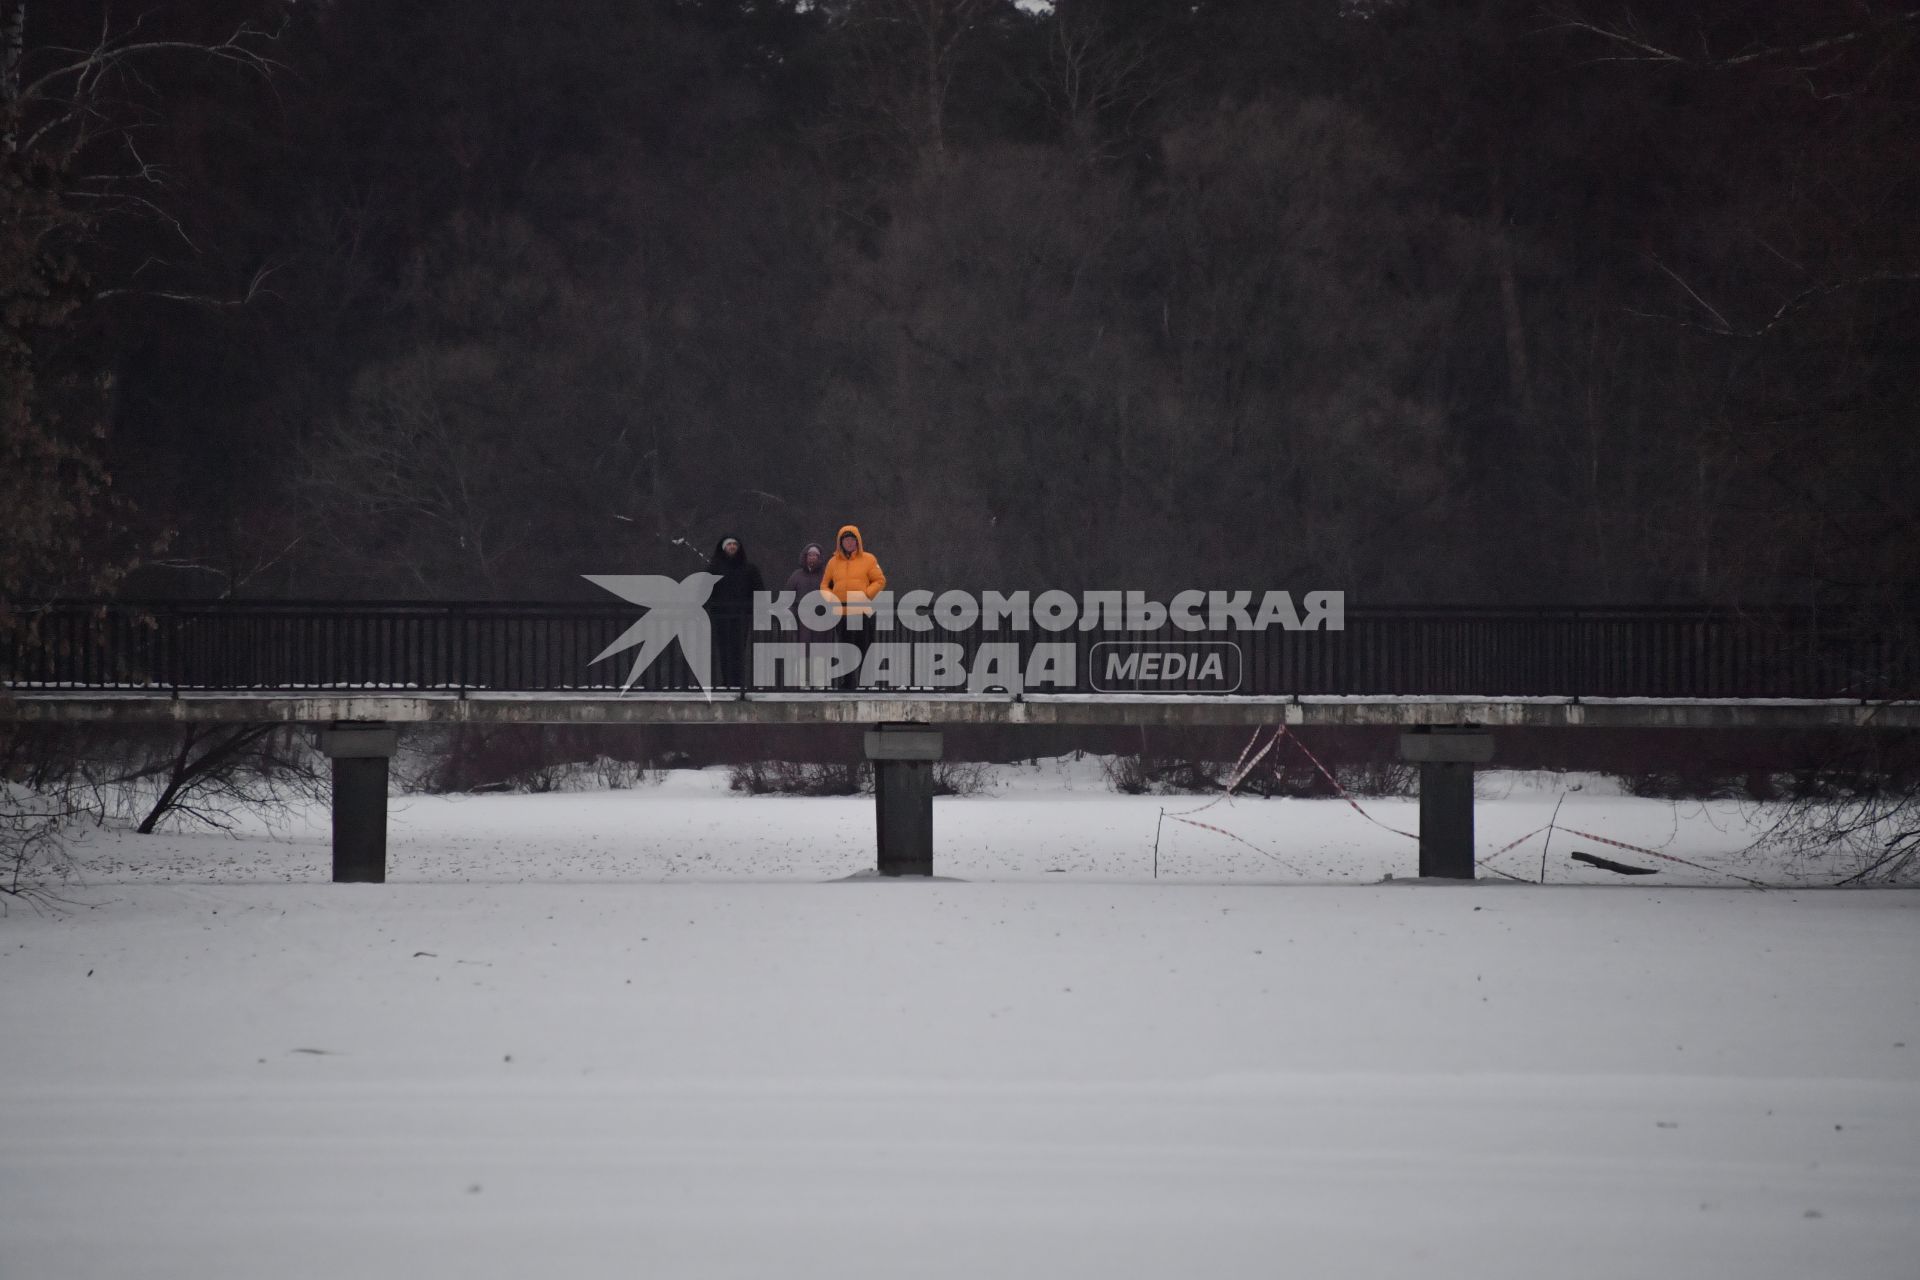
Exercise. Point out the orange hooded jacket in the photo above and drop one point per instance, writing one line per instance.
(846, 574)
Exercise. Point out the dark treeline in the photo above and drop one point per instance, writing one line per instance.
(1483, 301)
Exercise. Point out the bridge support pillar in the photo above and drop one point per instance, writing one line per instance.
(903, 756)
(359, 753)
(1446, 755)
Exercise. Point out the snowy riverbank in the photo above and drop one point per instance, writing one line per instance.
(652, 1033)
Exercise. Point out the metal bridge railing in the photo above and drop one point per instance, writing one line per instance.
(536, 648)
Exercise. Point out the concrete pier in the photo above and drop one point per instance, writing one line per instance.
(360, 753)
(1446, 755)
(903, 756)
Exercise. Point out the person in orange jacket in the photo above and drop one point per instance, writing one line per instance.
(852, 577)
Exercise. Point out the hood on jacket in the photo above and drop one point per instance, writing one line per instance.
(813, 546)
(859, 543)
(721, 561)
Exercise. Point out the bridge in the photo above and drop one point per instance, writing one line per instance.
(358, 672)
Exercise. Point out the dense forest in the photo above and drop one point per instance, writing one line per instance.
(1461, 301)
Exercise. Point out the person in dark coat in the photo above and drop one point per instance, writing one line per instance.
(804, 583)
(730, 605)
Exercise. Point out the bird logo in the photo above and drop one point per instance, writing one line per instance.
(675, 611)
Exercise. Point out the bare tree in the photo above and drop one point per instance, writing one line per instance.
(1857, 813)
(211, 773)
(411, 481)
(73, 120)
(1793, 314)
(1097, 84)
(906, 53)
(72, 123)
(82, 112)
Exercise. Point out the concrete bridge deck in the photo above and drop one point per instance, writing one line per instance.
(611, 707)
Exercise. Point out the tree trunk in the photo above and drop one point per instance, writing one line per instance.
(1519, 382)
(13, 47)
(176, 779)
(936, 91)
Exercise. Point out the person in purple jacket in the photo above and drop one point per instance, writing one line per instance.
(804, 582)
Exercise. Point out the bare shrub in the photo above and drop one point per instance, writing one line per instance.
(613, 774)
(34, 827)
(797, 778)
(804, 778)
(479, 758)
(961, 778)
(534, 759)
(1127, 774)
(1858, 814)
(1679, 784)
(1142, 773)
(44, 795)
(1379, 777)
(1198, 764)
(1292, 774)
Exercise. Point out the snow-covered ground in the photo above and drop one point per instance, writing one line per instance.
(1054, 818)
(659, 1032)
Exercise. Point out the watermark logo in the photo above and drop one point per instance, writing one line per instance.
(676, 611)
(987, 643)
(1134, 666)
(1061, 611)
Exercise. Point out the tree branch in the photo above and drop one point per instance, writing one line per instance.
(254, 290)
(95, 63)
(1722, 327)
(1640, 48)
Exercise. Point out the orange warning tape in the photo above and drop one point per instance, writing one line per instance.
(1335, 783)
(1240, 773)
(1243, 768)
(1514, 844)
(1207, 826)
